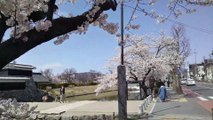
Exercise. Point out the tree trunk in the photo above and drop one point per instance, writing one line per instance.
(176, 83)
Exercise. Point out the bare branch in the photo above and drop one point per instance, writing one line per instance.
(203, 3)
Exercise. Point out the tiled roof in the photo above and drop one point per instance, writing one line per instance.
(38, 77)
(13, 79)
(19, 66)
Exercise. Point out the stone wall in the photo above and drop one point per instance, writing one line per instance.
(84, 117)
(93, 117)
(29, 94)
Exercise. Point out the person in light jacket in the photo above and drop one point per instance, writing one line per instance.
(162, 93)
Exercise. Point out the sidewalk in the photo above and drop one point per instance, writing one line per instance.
(177, 107)
(86, 107)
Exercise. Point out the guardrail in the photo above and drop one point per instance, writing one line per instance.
(145, 104)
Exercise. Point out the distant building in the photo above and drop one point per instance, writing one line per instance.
(202, 71)
(208, 68)
(197, 71)
(14, 76)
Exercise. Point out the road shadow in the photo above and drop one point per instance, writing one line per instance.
(165, 109)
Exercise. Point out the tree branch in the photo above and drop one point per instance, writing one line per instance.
(10, 50)
(51, 9)
(203, 3)
(133, 76)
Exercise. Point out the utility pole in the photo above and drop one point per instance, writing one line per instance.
(195, 68)
(122, 87)
(212, 52)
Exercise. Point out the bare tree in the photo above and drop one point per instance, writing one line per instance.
(68, 75)
(183, 51)
(47, 73)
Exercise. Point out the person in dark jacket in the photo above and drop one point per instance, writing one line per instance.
(62, 93)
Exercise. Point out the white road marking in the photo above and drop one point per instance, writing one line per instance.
(211, 97)
(202, 98)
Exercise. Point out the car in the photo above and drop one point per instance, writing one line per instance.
(190, 81)
(183, 81)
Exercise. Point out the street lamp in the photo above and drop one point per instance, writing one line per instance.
(122, 33)
(121, 70)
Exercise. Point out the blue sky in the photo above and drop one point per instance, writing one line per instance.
(92, 50)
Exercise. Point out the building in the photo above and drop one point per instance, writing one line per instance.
(202, 71)
(208, 68)
(197, 71)
(14, 76)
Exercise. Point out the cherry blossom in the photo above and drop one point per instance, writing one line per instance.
(143, 54)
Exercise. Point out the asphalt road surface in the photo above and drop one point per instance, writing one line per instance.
(195, 104)
(204, 91)
(202, 94)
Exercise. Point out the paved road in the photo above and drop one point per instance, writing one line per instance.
(179, 107)
(204, 91)
(202, 94)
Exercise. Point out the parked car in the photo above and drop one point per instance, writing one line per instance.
(190, 81)
(183, 81)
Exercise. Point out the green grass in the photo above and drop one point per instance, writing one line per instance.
(85, 93)
(112, 95)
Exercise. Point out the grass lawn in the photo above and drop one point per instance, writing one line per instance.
(85, 93)
(112, 95)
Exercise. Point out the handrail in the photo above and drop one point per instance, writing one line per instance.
(145, 104)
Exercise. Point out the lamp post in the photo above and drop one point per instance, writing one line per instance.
(121, 70)
(122, 33)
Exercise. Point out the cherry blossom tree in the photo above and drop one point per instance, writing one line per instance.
(145, 57)
(175, 8)
(31, 23)
(149, 57)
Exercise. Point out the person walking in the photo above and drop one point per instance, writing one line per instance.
(168, 83)
(62, 93)
(162, 93)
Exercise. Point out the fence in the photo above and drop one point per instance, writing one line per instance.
(145, 104)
